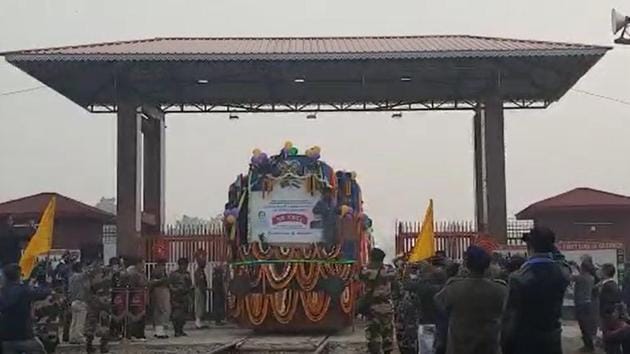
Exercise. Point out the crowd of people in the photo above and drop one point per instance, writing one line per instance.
(75, 302)
(491, 304)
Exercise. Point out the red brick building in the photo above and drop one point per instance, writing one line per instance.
(583, 214)
(77, 225)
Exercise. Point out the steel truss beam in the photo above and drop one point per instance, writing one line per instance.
(385, 106)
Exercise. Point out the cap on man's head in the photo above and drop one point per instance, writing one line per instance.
(377, 254)
(12, 272)
(477, 259)
(540, 238)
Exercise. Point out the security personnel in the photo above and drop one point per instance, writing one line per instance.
(119, 299)
(46, 314)
(99, 303)
(408, 311)
(536, 296)
(180, 285)
(378, 280)
(475, 305)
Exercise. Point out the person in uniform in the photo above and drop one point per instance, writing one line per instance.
(378, 279)
(118, 299)
(201, 290)
(135, 281)
(475, 305)
(97, 322)
(180, 286)
(584, 283)
(536, 296)
(408, 311)
(46, 314)
(160, 298)
(218, 294)
(61, 279)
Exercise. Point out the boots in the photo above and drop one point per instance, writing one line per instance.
(89, 346)
(104, 347)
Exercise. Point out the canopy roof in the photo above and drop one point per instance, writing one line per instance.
(577, 199)
(33, 206)
(312, 74)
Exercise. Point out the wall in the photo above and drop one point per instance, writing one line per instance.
(77, 233)
(82, 234)
(589, 225)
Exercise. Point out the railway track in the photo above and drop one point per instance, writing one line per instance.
(236, 347)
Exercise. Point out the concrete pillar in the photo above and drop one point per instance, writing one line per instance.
(490, 186)
(154, 130)
(481, 212)
(128, 174)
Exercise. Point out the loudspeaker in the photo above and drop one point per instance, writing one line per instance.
(618, 21)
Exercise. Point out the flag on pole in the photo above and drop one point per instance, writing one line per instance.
(424, 248)
(41, 242)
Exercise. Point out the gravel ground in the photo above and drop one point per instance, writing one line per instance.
(201, 341)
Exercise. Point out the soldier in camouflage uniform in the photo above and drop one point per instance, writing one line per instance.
(408, 311)
(180, 285)
(118, 294)
(46, 314)
(378, 279)
(99, 307)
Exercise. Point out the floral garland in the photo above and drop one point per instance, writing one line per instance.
(284, 252)
(282, 280)
(343, 271)
(257, 307)
(284, 305)
(346, 300)
(315, 305)
(308, 252)
(308, 279)
(260, 252)
(333, 253)
(245, 250)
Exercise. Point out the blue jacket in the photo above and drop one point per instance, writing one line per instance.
(15, 310)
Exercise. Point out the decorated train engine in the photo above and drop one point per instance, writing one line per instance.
(298, 236)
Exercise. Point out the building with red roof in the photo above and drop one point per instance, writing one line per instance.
(77, 225)
(583, 214)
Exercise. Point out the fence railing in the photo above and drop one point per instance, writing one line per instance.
(451, 237)
(184, 241)
(454, 237)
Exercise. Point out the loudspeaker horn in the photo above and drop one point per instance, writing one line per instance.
(618, 20)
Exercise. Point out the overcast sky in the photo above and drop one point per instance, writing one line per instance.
(48, 143)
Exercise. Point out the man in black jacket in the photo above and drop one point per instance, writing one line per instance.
(536, 296)
(16, 326)
(609, 308)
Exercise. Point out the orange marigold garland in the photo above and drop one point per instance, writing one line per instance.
(256, 306)
(308, 252)
(346, 300)
(333, 253)
(308, 279)
(315, 304)
(284, 252)
(245, 250)
(260, 252)
(343, 271)
(284, 305)
(279, 281)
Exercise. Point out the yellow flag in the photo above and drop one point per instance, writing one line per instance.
(424, 248)
(41, 242)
